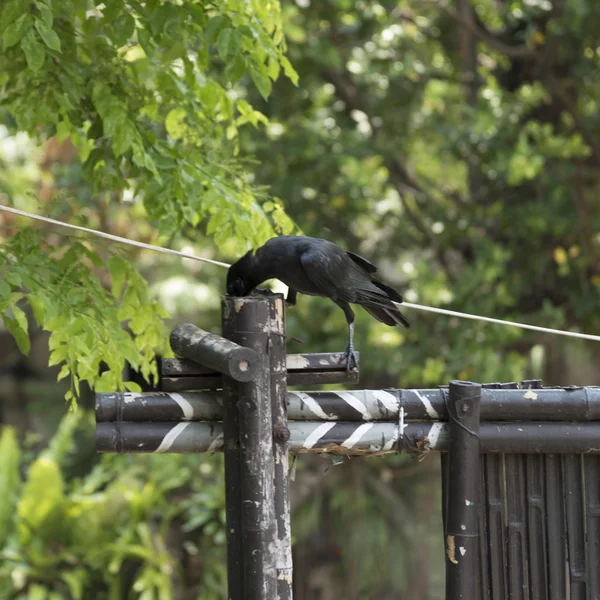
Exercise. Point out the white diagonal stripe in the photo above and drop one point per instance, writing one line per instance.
(388, 400)
(427, 404)
(390, 443)
(355, 403)
(317, 434)
(357, 435)
(168, 440)
(216, 444)
(314, 406)
(186, 407)
(434, 434)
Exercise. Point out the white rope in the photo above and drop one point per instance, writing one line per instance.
(114, 238)
(441, 311)
(453, 313)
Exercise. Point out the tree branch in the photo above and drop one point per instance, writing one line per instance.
(347, 91)
(558, 91)
(521, 51)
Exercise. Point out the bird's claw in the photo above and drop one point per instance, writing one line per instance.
(351, 359)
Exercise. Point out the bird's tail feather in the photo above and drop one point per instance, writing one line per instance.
(390, 292)
(389, 315)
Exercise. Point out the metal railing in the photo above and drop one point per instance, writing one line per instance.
(520, 464)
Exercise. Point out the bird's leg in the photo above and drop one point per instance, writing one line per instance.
(291, 297)
(350, 354)
(351, 360)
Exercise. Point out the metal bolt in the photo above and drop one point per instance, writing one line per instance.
(281, 434)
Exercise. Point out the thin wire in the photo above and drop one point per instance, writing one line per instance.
(114, 238)
(453, 313)
(441, 311)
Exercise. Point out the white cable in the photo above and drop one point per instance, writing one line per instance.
(453, 313)
(441, 311)
(114, 238)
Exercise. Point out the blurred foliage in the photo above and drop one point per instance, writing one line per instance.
(454, 144)
(146, 93)
(461, 158)
(106, 534)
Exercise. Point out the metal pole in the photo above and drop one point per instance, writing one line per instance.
(353, 439)
(462, 516)
(281, 435)
(581, 405)
(246, 321)
(213, 351)
(232, 447)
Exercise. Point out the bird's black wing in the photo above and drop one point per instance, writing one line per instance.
(338, 277)
(369, 267)
(326, 271)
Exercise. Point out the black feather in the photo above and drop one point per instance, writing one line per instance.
(318, 267)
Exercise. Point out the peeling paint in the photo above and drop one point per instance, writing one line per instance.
(297, 361)
(388, 400)
(434, 434)
(402, 424)
(451, 549)
(427, 404)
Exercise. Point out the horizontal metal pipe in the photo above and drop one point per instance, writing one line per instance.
(579, 404)
(302, 369)
(214, 351)
(334, 437)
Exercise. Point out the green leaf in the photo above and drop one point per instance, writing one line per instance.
(273, 68)
(45, 13)
(11, 10)
(123, 138)
(213, 28)
(34, 51)
(48, 35)
(289, 70)
(40, 505)
(175, 123)
(224, 42)
(132, 386)
(64, 372)
(14, 34)
(261, 80)
(20, 317)
(118, 270)
(13, 278)
(9, 479)
(121, 29)
(38, 305)
(18, 333)
(235, 68)
(5, 289)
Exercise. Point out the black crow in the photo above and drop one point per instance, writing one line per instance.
(318, 268)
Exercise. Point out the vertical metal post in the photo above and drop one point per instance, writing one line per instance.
(462, 516)
(233, 477)
(252, 532)
(281, 436)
